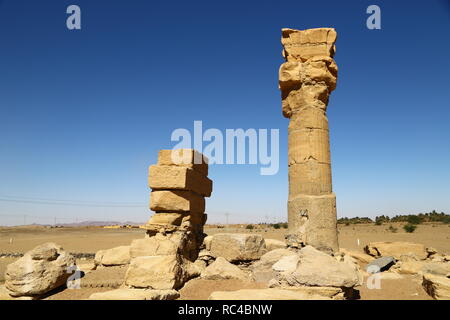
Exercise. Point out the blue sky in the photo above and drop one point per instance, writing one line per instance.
(83, 113)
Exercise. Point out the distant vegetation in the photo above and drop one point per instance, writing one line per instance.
(409, 227)
(392, 229)
(412, 219)
(355, 220)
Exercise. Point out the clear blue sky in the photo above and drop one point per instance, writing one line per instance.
(83, 113)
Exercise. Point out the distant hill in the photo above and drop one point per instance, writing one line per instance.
(100, 223)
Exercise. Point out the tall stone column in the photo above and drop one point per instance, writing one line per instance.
(306, 80)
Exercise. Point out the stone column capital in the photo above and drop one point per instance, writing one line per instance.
(309, 74)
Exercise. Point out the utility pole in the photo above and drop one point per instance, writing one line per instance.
(227, 215)
(24, 219)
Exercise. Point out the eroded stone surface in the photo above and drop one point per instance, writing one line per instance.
(113, 257)
(237, 246)
(221, 269)
(306, 80)
(437, 287)
(311, 267)
(39, 271)
(272, 244)
(155, 272)
(397, 250)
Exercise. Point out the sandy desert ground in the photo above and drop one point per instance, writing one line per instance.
(92, 239)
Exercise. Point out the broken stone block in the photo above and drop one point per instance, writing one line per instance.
(179, 178)
(237, 246)
(396, 249)
(380, 264)
(360, 257)
(176, 200)
(262, 269)
(221, 269)
(313, 268)
(155, 272)
(184, 157)
(39, 271)
(437, 287)
(113, 257)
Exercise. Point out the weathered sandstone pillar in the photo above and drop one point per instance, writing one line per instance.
(306, 80)
(174, 234)
(179, 184)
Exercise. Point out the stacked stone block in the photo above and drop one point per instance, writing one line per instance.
(179, 186)
(174, 233)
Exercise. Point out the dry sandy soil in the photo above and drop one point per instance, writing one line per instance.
(92, 239)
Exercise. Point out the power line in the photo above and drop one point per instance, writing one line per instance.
(75, 203)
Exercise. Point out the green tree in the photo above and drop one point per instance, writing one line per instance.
(412, 219)
(410, 228)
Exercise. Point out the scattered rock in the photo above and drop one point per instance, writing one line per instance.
(262, 269)
(5, 294)
(410, 267)
(287, 264)
(192, 269)
(422, 267)
(272, 244)
(238, 247)
(207, 242)
(135, 294)
(155, 272)
(113, 257)
(397, 249)
(206, 257)
(380, 264)
(360, 257)
(312, 267)
(437, 268)
(264, 294)
(39, 271)
(437, 287)
(221, 269)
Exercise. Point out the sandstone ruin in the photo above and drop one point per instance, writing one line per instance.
(162, 260)
(306, 80)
